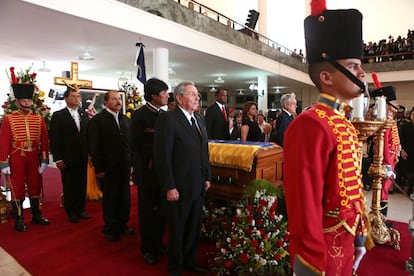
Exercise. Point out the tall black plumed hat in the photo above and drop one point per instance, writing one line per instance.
(387, 91)
(23, 90)
(332, 34)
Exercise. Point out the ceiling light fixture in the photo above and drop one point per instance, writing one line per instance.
(253, 86)
(219, 80)
(213, 89)
(171, 71)
(86, 56)
(44, 69)
(277, 89)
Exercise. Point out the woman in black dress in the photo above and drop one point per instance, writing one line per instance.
(250, 130)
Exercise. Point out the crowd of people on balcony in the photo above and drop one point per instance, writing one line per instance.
(388, 50)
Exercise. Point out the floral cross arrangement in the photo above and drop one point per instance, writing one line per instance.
(133, 98)
(251, 235)
(27, 77)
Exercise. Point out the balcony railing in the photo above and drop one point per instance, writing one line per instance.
(221, 18)
(388, 57)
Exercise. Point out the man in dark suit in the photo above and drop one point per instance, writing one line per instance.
(182, 163)
(108, 137)
(289, 105)
(217, 117)
(236, 130)
(69, 147)
(151, 200)
(268, 135)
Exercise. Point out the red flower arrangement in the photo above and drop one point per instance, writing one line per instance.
(133, 98)
(22, 76)
(39, 107)
(255, 239)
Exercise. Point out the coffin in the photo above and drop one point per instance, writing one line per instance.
(235, 164)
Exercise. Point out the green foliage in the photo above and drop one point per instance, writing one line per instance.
(39, 106)
(251, 235)
(133, 98)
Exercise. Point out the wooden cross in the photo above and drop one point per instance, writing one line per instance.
(73, 80)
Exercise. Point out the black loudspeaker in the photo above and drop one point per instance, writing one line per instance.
(51, 93)
(252, 18)
(66, 74)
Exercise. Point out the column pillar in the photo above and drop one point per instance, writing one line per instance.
(262, 22)
(262, 93)
(160, 64)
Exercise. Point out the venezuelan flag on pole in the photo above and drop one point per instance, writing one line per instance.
(140, 63)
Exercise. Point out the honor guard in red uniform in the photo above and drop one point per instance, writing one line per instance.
(322, 173)
(24, 154)
(392, 144)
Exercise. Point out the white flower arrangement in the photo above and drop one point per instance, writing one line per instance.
(251, 236)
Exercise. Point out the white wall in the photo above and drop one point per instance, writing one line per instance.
(381, 18)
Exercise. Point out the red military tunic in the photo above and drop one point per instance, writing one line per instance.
(23, 143)
(322, 180)
(391, 151)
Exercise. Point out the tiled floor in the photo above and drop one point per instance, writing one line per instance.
(9, 266)
(400, 209)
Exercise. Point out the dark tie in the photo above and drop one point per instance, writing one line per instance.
(195, 127)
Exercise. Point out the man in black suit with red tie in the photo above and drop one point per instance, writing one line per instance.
(182, 164)
(217, 117)
(68, 138)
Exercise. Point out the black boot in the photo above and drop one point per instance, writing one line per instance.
(384, 211)
(37, 217)
(384, 208)
(18, 216)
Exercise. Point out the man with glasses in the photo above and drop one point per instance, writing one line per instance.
(182, 163)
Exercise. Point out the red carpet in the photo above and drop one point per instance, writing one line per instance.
(63, 248)
(384, 261)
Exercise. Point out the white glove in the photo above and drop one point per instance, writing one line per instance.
(43, 167)
(6, 170)
(389, 173)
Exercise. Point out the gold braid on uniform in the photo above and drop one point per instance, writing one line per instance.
(395, 145)
(26, 132)
(347, 144)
